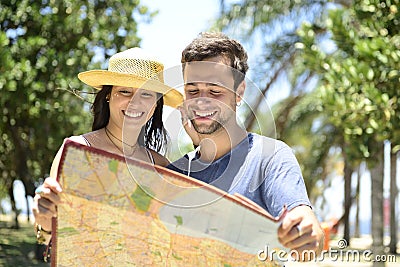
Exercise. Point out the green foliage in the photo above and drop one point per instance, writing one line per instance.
(360, 81)
(43, 46)
(271, 26)
(308, 133)
(351, 48)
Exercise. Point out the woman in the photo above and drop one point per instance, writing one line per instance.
(127, 121)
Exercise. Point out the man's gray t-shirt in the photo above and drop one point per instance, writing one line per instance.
(262, 169)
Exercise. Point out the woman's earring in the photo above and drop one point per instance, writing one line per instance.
(238, 104)
(108, 98)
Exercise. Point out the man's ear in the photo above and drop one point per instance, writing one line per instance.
(240, 91)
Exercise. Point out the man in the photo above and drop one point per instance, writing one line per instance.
(262, 169)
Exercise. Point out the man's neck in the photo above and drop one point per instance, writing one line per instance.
(216, 145)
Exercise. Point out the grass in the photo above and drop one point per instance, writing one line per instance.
(18, 246)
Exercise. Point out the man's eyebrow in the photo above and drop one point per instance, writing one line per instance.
(206, 83)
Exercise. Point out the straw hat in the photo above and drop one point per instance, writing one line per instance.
(133, 68)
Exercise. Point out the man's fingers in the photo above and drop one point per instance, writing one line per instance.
(291, 235)
(300, 232)
(297, 240)
(287, 226)
(292, 228)
(303, 229)
(189, 128)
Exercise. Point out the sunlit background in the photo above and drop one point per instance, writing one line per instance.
(277, 66)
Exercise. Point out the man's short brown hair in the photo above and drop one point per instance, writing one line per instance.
(213, 44)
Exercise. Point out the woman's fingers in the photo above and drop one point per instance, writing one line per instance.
(45, 202)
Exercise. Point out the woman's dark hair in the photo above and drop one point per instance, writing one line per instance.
(153, 134)
(101, 109)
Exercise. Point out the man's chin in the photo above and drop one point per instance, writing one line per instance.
(206, 129)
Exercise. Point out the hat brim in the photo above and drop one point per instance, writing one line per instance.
(98, 78)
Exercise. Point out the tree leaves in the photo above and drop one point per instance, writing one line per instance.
(43, 46)
(356, 90)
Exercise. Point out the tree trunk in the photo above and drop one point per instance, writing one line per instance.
(13, 205)
(348, 171)
(29, 186)
(28, 213)
(393, 197)
(377, 207)
(21, 159)
(357, 222)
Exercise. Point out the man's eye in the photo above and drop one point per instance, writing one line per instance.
(215, 92)
(193, 91)
(146, 94)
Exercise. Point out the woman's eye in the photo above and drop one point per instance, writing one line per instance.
(125, 92)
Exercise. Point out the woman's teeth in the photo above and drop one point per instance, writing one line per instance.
(133, 114)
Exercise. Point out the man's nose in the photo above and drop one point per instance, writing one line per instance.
(202, 100)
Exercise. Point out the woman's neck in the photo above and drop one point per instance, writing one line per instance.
(116, 136)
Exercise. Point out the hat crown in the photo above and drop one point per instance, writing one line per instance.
(135, 61)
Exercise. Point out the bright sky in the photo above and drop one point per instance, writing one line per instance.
(170, 31)
(176, 24)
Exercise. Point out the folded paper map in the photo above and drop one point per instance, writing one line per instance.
(119, 212)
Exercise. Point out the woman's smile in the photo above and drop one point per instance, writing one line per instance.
(133, 114)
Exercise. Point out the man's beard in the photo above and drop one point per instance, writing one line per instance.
(217, 124)
(207, 129)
